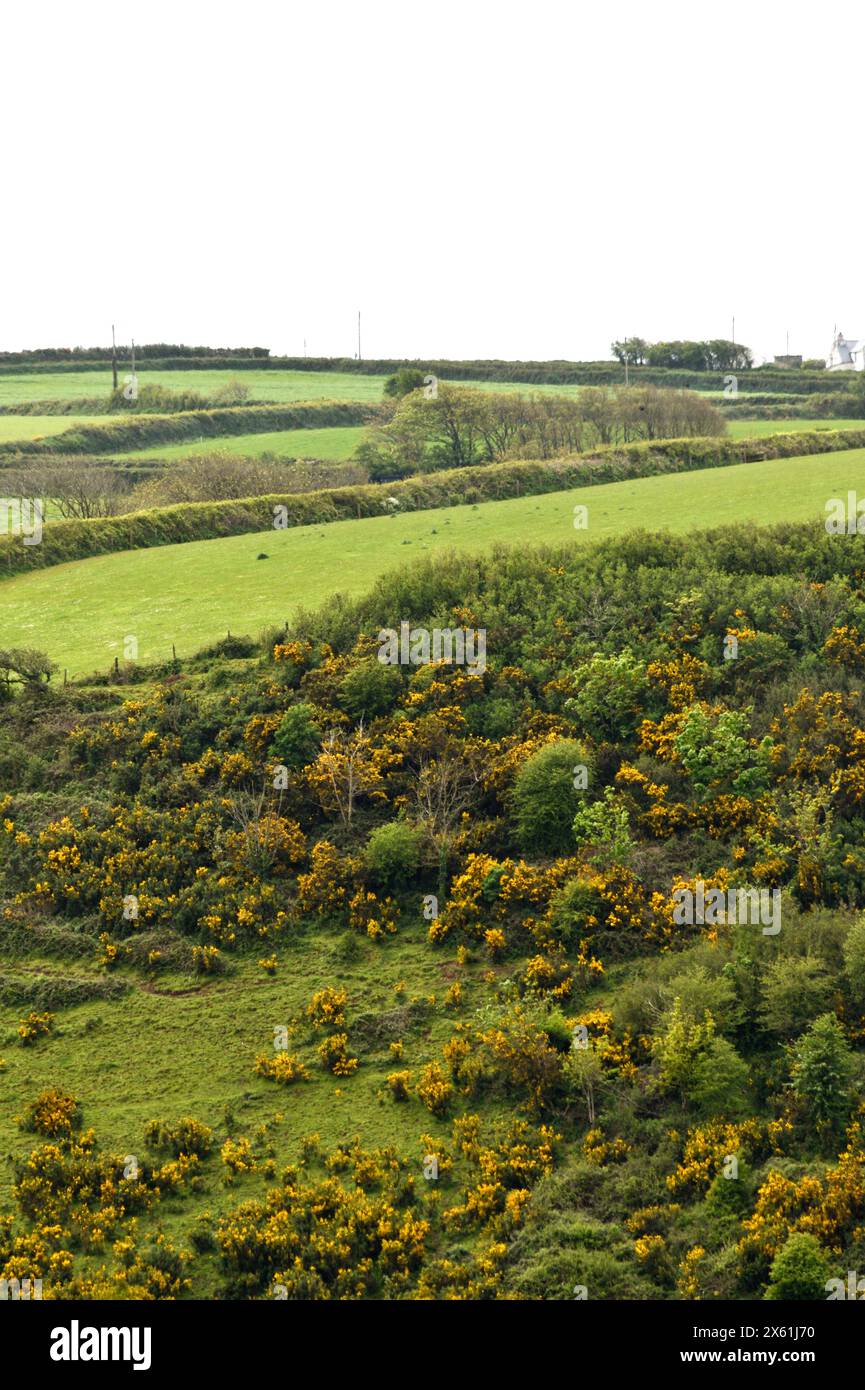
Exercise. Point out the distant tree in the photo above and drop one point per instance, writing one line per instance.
(795, 990)
(393, 853)
(631, 350)
(369, 689)
(702, 1069)
(609, 698)
(854, 960)
(605, 825)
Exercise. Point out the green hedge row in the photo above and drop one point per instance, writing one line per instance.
(143, 431)
(77, 540)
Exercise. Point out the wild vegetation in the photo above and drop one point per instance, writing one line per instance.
(575, 1085)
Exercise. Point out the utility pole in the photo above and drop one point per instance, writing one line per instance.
(358, 335)
(113, 358)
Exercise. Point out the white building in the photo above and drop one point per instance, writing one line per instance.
(847, 355)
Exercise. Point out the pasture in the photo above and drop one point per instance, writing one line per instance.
(192, 594)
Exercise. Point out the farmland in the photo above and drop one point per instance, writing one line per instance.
(191, 594)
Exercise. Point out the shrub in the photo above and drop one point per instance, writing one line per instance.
(799, 1270)
(545, 798)
(434, 1089)
(334, 1054)
(53, 1113)
(184, 1136)
(296, 741)
(393, 853)
(282, 1068)
(370, 689)
(398, 1083)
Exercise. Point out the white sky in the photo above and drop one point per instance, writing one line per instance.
(480, 179)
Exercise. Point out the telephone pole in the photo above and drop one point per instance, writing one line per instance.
(113, 358)
(358, 335)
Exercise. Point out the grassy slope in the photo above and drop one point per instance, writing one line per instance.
(205, 1034)
(191, 594)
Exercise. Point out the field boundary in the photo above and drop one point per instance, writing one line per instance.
(65, 541)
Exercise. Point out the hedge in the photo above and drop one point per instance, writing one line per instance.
(143, 431)
(193, 521)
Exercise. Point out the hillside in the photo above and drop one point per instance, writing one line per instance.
(401, 946)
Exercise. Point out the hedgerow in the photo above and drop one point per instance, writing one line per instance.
(63, 541)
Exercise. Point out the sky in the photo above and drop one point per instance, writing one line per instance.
(477, 179)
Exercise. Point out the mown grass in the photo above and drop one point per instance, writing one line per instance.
(192, 594)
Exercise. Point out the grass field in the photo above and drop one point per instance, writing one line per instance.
(15, 427)
(281, 386)
(192, 594)
(264, 385)
(337, 442)
(756, 429)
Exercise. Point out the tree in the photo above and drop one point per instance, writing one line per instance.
(630, 350)
(393, 853)
(546, 794)
(715, 751)
(820, 1074)
(703, 1070)
(799, 1270)
(30, 668)
(583, 1075)
(370, 688)
(854, 961)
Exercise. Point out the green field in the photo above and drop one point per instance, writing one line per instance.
(337, 442)
(192, 594)
(264, 385)
(756, 429)
(275, 385)
(15, 427)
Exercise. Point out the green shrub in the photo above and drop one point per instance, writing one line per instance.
(297, 739)
(545, 797)
(799, 1270)
(393, 853)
